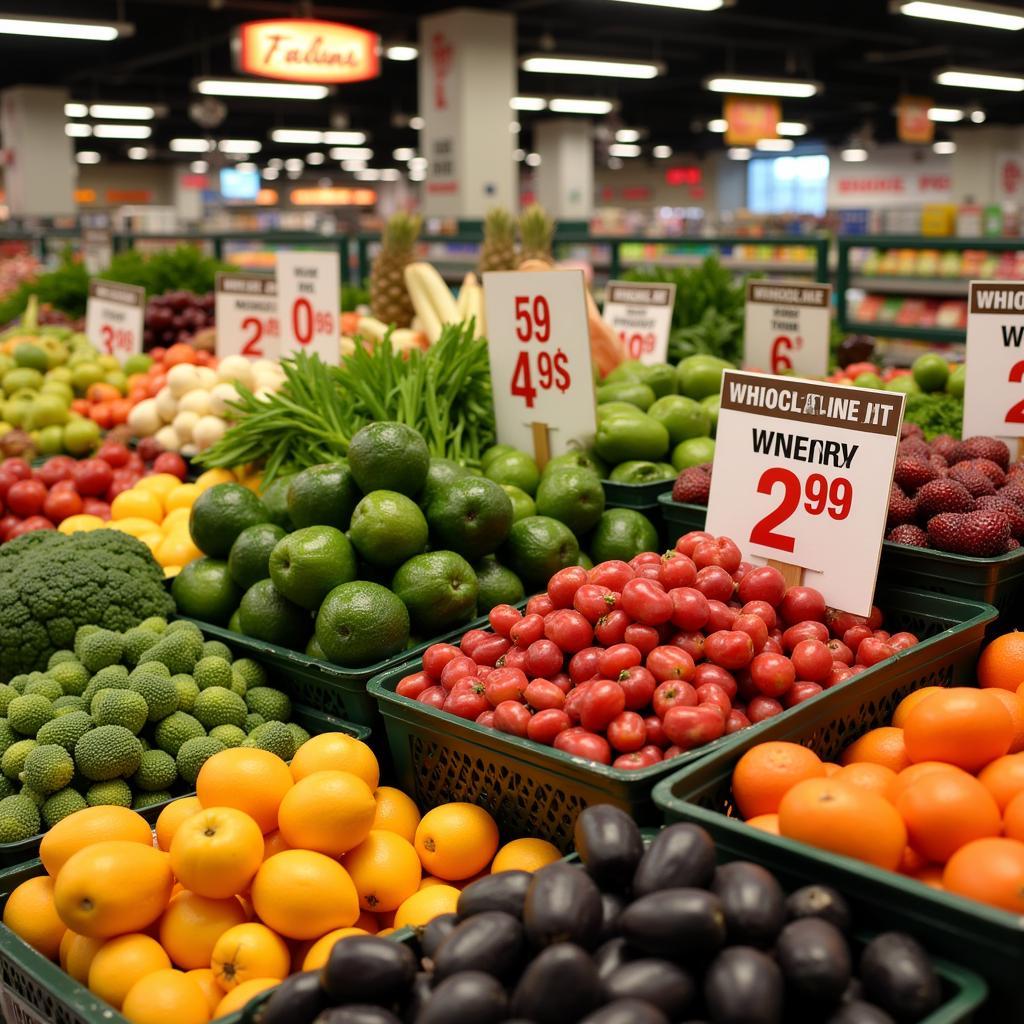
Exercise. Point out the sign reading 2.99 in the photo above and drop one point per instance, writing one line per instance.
(307, 303)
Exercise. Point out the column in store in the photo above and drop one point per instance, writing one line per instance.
(565, 177)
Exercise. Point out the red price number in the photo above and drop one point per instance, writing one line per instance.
(306, 322)
(819, 497)
(637, 344)
(536, 370)
(782, 346)
(255, 329)
(116, 339)
(1016, 413)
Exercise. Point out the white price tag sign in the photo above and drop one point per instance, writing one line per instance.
(802, 479)
(308, 302)
(246, 316)
(641, 315)
(787, 327)
(539, 345)
(97, 249)
(994, 389)
(114, 316)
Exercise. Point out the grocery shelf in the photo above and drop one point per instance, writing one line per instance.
(910, 285)
(894, 330)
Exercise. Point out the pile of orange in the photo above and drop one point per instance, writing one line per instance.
(938, 795)
(255, 877)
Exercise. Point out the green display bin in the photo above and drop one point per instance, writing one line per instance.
(680, 517)
(532, 789)
(645, 498)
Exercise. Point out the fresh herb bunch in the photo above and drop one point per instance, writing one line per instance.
(66, 288)
(935, 413)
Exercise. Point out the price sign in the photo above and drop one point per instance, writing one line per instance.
(787, 327)
(641, 314)
(97, 249)
(114, 317)
(308, 303)
(539, 346)
(994, 391)
(802, 479)
(246, 316)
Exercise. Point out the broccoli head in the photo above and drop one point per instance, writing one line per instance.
(51, 586)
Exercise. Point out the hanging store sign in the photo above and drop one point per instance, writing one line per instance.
(304, 50)
(912, 121)
(750, 120)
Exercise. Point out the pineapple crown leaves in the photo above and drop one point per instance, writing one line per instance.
(402, 230)
(536, 228)
(499, 226)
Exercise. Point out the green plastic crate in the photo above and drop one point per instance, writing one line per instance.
(643, 498)
(532, 789)
(680, 517)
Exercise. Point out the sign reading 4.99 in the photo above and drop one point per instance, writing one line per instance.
(307, 303)
(539, 346)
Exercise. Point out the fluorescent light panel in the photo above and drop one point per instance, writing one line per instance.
(774, 145)
(947, 115)
(137, 152)
(60, 28)
(718, 125)
(748, 85)
(590, 66)
(627, 135)
(75, 110)
(968, 78)
(853, 155)
(315, 159)
(262, 90)
(944, 147)
(122, 112)
(401, 52)
(403, 153)
(190, 145)
(88, 156)
(239, 146)
(350, 153)
(963, 12)
(76, 130)
(682, 5)
(528, 103)
(416, 123)
(661, 152)
(313, 137)
(568, 105)
(623, 149)
(122, 131)
(739, 153)
(791, 128)
(199, 167)
(533, 159)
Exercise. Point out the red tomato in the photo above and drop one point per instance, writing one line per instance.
(544, 658)
(729, 648)
(413, 685)
(563, 585)
(545, 725)
(721, 616)
(720, 551)
(898, 642)
(714, 696)
(689, 608)
(570, 630)
(512, 717)
(763, 583)
(604, 700)
(655, 731)
(677, 571)
(466, 700)
(503, 617)
(96, 507)
(581, 743)
(801, 603)
(812, 660)
(708, 673)
(772, 674)
(436, 656)
(583, 664)
(489, 651)
(542, 694)
(458, 668)
(870, 651)
(613, 574)
(763, 610)
(7, 523)
(93, 477)
(761, 708)
(25, 497)
(611, 628)
(668, 662)
(673, 693)
(7, 480)
(646, 638)
(61, 504)
(616, 659)
(471, 638)
(170, 462)
(807, 630)
(514, 657)
(627, 732)
(800, 693)
(28, 525)
(541, 604)
(17, 467)
(690, 727)
(433, 696)
(486, 719)
(60, 467)
(638, 686)
(592, 601)
(646, 601)
(689, 541)
(528, 629)
(715, 583)
(505, 684)
(737, 720)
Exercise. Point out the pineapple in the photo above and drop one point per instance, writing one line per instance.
(536, 229)
(499, 249)
(389, 299)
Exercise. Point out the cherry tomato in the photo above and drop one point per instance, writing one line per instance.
(492, 650)
(486, 719)
(7, 523)
(29, 525)
(853, 636)
(655, 731)
(645, 638)
(457, 668)
(677, 571)
(583, 664)
(627, 732)
(26, 497)
(729, 648)
(603, 701)
(673, 693)
(563, 585)
(17, 467)
(689, 541)
(839, 622)
(466, 700)
(503, 617)
(870, 651)
(715, 583)
(720, 616)
(573, 705)
(670, 662)
(761, 708)
(801, 603)
(638, 686)
(512, 717)
(812, 660)
(646, 601)
(505, 684)
(754, 626)
(593, 601)
(544, 658)
(763, 610)
(58, 505)
(562, 681)
(616, 659)
(114, 454)
(570, 630)
(763, 583)
(901, 641)
(529, 628)
(545, 725)
(96, 507)
(613, 574)
(689, 727)
(714, 696)
(413, 685)
(514, 657)
(611, 628)
(708, 673)
(92, 477)
(170, 462)
(539, 604)
(635, 761)
(60, 467)
(471, 638)
(772, 674)
(875, 618)
(7, 480)
(689, 608)
(542, 694)
(839, 674)
(720, 551)
(581, 743)
(807, 630)
(801, 692)
(737, 720)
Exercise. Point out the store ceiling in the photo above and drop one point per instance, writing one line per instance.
(865, 57)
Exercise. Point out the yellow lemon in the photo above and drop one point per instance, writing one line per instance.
(137, 503)
(160, 484)
(81, 524)
(181, 497)
(176, 548)
(214, 476)
(134, 526)
(176, 517)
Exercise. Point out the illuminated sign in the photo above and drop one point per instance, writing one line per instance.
(333, 197)
(750, 120)
(683, 176)
(304, 50)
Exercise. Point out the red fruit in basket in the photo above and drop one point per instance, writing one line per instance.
(735, 721)
(720, 616)
(646, 638)
(592, 600)
(762, 583)
(986, 448)
(1013, 512)
(490, 651)
(754, 626)
(30, 525)
(881, 634)
(872, 650)
(715, 583)
(706, 673)
(638, 686)
(570, 630)
(901, 641)
(413, 684)
(692, 486)
(812, 660)
(690, 608)
(618, 658)
(721, 551)
(691, 642)
(667, 662)
(646, 601)
(503, 617)
(908, 533)
(980, 534)
(466, 700)
(486, 719)
(807, 630)
(564, 584)
(626, 732)
(610, 629)
(96, 507)
(763, 610)
(774, 643)
(677, 571)
(839, 674)
(458, 668)
(655, 731)
(436, 656)
(529, 628)
(512, 717)
(800, 604)
(504, 684)
(603, 701)
(943, 496)
(92, 477)
(902, 509)
(645, 558)
(542, 694)
(772, 674)
(540, 604)
(673, 693)
(840, 652)
(562, 681)
(58, 505)
(114, 454)
(991, 469)
(688, 541)
(545, 725)
(761, 708)
(729, 648)
(853, 636)
(25, 498)
(573, 705)
(60, 467)
(635, 761)
(583, 664)
(973, 479)
(17, 468)
(693, 727)
(543, 658)
(710, 693)
(804, 690)
(170, 462)
(433, 697)
(912, 471)
(514, 657)
(613, 574)
(582, 743)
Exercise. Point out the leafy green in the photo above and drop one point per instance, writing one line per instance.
(935, 413)
(65, 288)
(184, 268)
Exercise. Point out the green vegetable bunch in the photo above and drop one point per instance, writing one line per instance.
(184, 268)
(65, 288)
(935, 413)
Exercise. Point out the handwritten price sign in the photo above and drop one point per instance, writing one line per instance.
(539, 348)
(114, 318)
(307, 291)
(641, 314)
(809, 469)
(994, 392)
(246, 315)
(787, 327)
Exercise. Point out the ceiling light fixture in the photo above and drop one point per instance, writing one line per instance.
(568, 105)
(353, 165)
(344, 138)
(239, 146)
(853, 154)
(623, 149)
(122, 131)
(76, 130)
(59, 28)
(774, 145)
(199, 167)
(749, 85)
(682, 5)
(418, 163)
(661, 152)
(403, 153)
(977, 117)
(519, 155)
(190, 145)
(791, 128)
(315, 159)
(122, 111)
(627, 135)
(947, 115)
(528, 103)
(261, 90)
(350, 153)
(297, 136)
(533, 159)
(270, 173)
(246, 166)
(368, 174)
(944, 147)
(718, 125)
(542, 64)
(293, 164)
(401, 51)
(76, 110)
(88, 156)
(738, 153)
(390, 174)
(968, 78)
(138, 152)
(962, 12)
(416, 123)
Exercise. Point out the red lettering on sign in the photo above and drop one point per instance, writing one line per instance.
(443, 53)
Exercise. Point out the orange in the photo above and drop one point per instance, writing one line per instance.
(765, 822)
(368, 922)
(91, 825)
(273, 843)
(905, 706)
(81, 950)
(248, 779)
(868, 775)
(423, 906)
(303, 895)
(192, 924)
(216, 852)
(166, 996)
(137, 504)
(1014, 703)
(30, 913)
(844, 819)
(930, 875)
(831, 768)
(385, 932)
(121, 962)
(989, 870)
(884, 746)
(525, 855)
(961, 726)
(765, 773)
(1003, 778)
(455, 841)
(318, 953)
(112, 888)
(62, 949)
(1013, 819)
(1002, 662)
(207, 983)
(945, 810)
(171, 818)
(913, 773)
(336, 752)
(249, 951)
(329, 811)
(214, 476)
(237, 998)
(385, 870)
(396, 812)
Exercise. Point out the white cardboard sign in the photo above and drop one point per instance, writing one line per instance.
(114, 315)
(539, 346)
(246, 316)
(641, 315)
(787, 327)
(994, 390)
(97, 249)
(308, 304)
(802, 475)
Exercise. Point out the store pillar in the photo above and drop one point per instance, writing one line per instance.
(468, 76)
(565, 177)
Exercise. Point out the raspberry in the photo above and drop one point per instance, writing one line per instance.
(908, 533)
(1012, 544)
(973, 479)
(901, 508)
(910, 430)
(980, 534)
(944, 445)
(1014, 490)
(910, 472)
(943, 496)
(987, 448)
(913, 447)
(1013, 512)
(693, 485)
(990, 469)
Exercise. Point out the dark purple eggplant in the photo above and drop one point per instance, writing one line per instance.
(505, 891)
(470, 997)
(611, 955)
(626, 1011)
(560, 986)
(357, 1013)
(898, 975)
(491, 942)
(815, 959)
(744, 986)
(820, 901)
(297, 1000)
(675, 922)
(681, 856)
(563, 904)
(663, 984)
(434, 932)
(610, 845)
(366, 969)
(859, 1012)
(753, 901)
(611, 907)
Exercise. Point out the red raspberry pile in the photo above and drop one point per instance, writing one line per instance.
(630, 664)
(958, 496)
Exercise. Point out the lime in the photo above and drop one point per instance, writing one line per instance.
(522, 504)
(275, 497)
(264, 613)
(220, 514)
(205, 590)
(137, 363)
(660, 378)
(712, 404)
(440, 473)
(610, 409)
(496, 584)
(634, 392)
(81, 436)
(584, 561)
(682, 417)
(249, 560)
(955, 384)
(233, 623)
(627, 370)
(51, 440)
(640, 472)
(572, 496)
(904, 382)
(868, 380)
(930, 371)
(22, 377)
(537, 547)
(389, 457)
(623, 438)
(514, 468)
(492, 453)
(701, 375)
(323, 495)
(314, 650)
(387, 528)
(84, 375)
(309, 563)
(48, 410)
(32, 356)
(694, 452)
(577, 460)
(439, 588)
(622, 533)
(471, 516)
(360, 623)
